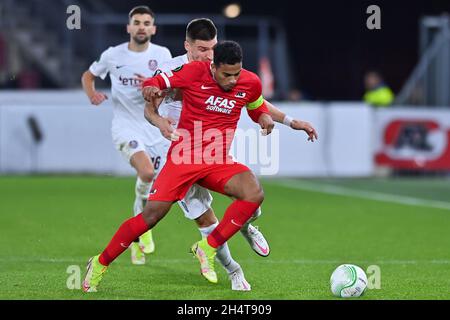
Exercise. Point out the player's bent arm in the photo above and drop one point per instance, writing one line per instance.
(276, 114)
(151, 112)
(266, 123)
(151, 88)
(260, 114)
(256, 113)
(279, 116)
(163, 124)
(256, 108)
(88, 83)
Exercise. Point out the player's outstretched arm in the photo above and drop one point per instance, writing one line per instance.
(88, 83)
(276, 114)
(305, 126)
(279, 116)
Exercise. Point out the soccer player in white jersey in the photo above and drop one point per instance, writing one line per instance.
(201, 37)
(140, 143)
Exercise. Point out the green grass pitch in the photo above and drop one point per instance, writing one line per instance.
(51, 225)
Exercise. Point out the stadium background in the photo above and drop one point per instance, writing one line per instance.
(353, 196)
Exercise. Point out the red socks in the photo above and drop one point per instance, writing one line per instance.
(128, 231)
(236, 215)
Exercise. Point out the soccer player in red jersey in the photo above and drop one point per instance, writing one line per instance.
(201, 37)
(213, 97)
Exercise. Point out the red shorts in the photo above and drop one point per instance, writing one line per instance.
(174, 180)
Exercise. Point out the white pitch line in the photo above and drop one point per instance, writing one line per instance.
(371, 195)
(247, 261)
(373, 262)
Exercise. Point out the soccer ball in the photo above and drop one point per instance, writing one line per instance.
(348, 280)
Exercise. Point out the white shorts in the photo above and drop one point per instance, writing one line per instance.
(196, 202)
(128, 143)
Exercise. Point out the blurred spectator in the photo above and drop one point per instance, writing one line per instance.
(29, 78)
(3, 62)
(267, 79)
(377, 94)
(295, 95)
(15, 72)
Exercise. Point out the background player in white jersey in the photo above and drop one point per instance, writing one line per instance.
(140, 143)
(201, 37)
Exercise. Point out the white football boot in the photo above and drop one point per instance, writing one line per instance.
(238, 282)
(256, 240)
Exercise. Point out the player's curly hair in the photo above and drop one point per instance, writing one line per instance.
(201, 29)
(227, 52)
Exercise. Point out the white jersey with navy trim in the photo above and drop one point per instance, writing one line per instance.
(122, 65)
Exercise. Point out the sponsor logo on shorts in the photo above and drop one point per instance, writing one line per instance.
(133, 144)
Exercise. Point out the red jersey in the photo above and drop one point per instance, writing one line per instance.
(209, 115)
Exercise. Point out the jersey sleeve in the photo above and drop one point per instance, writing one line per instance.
(181, 77)
(256, 105)
(255, 98)
(99, 68)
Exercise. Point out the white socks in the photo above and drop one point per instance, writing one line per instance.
(142, 190)
(223, 252)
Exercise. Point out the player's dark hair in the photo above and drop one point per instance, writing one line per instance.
(141, 10)
(201, 29)
(227, 52)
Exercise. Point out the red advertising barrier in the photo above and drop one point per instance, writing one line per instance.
(413, 139)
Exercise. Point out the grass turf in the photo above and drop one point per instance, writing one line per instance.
(51, 224)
